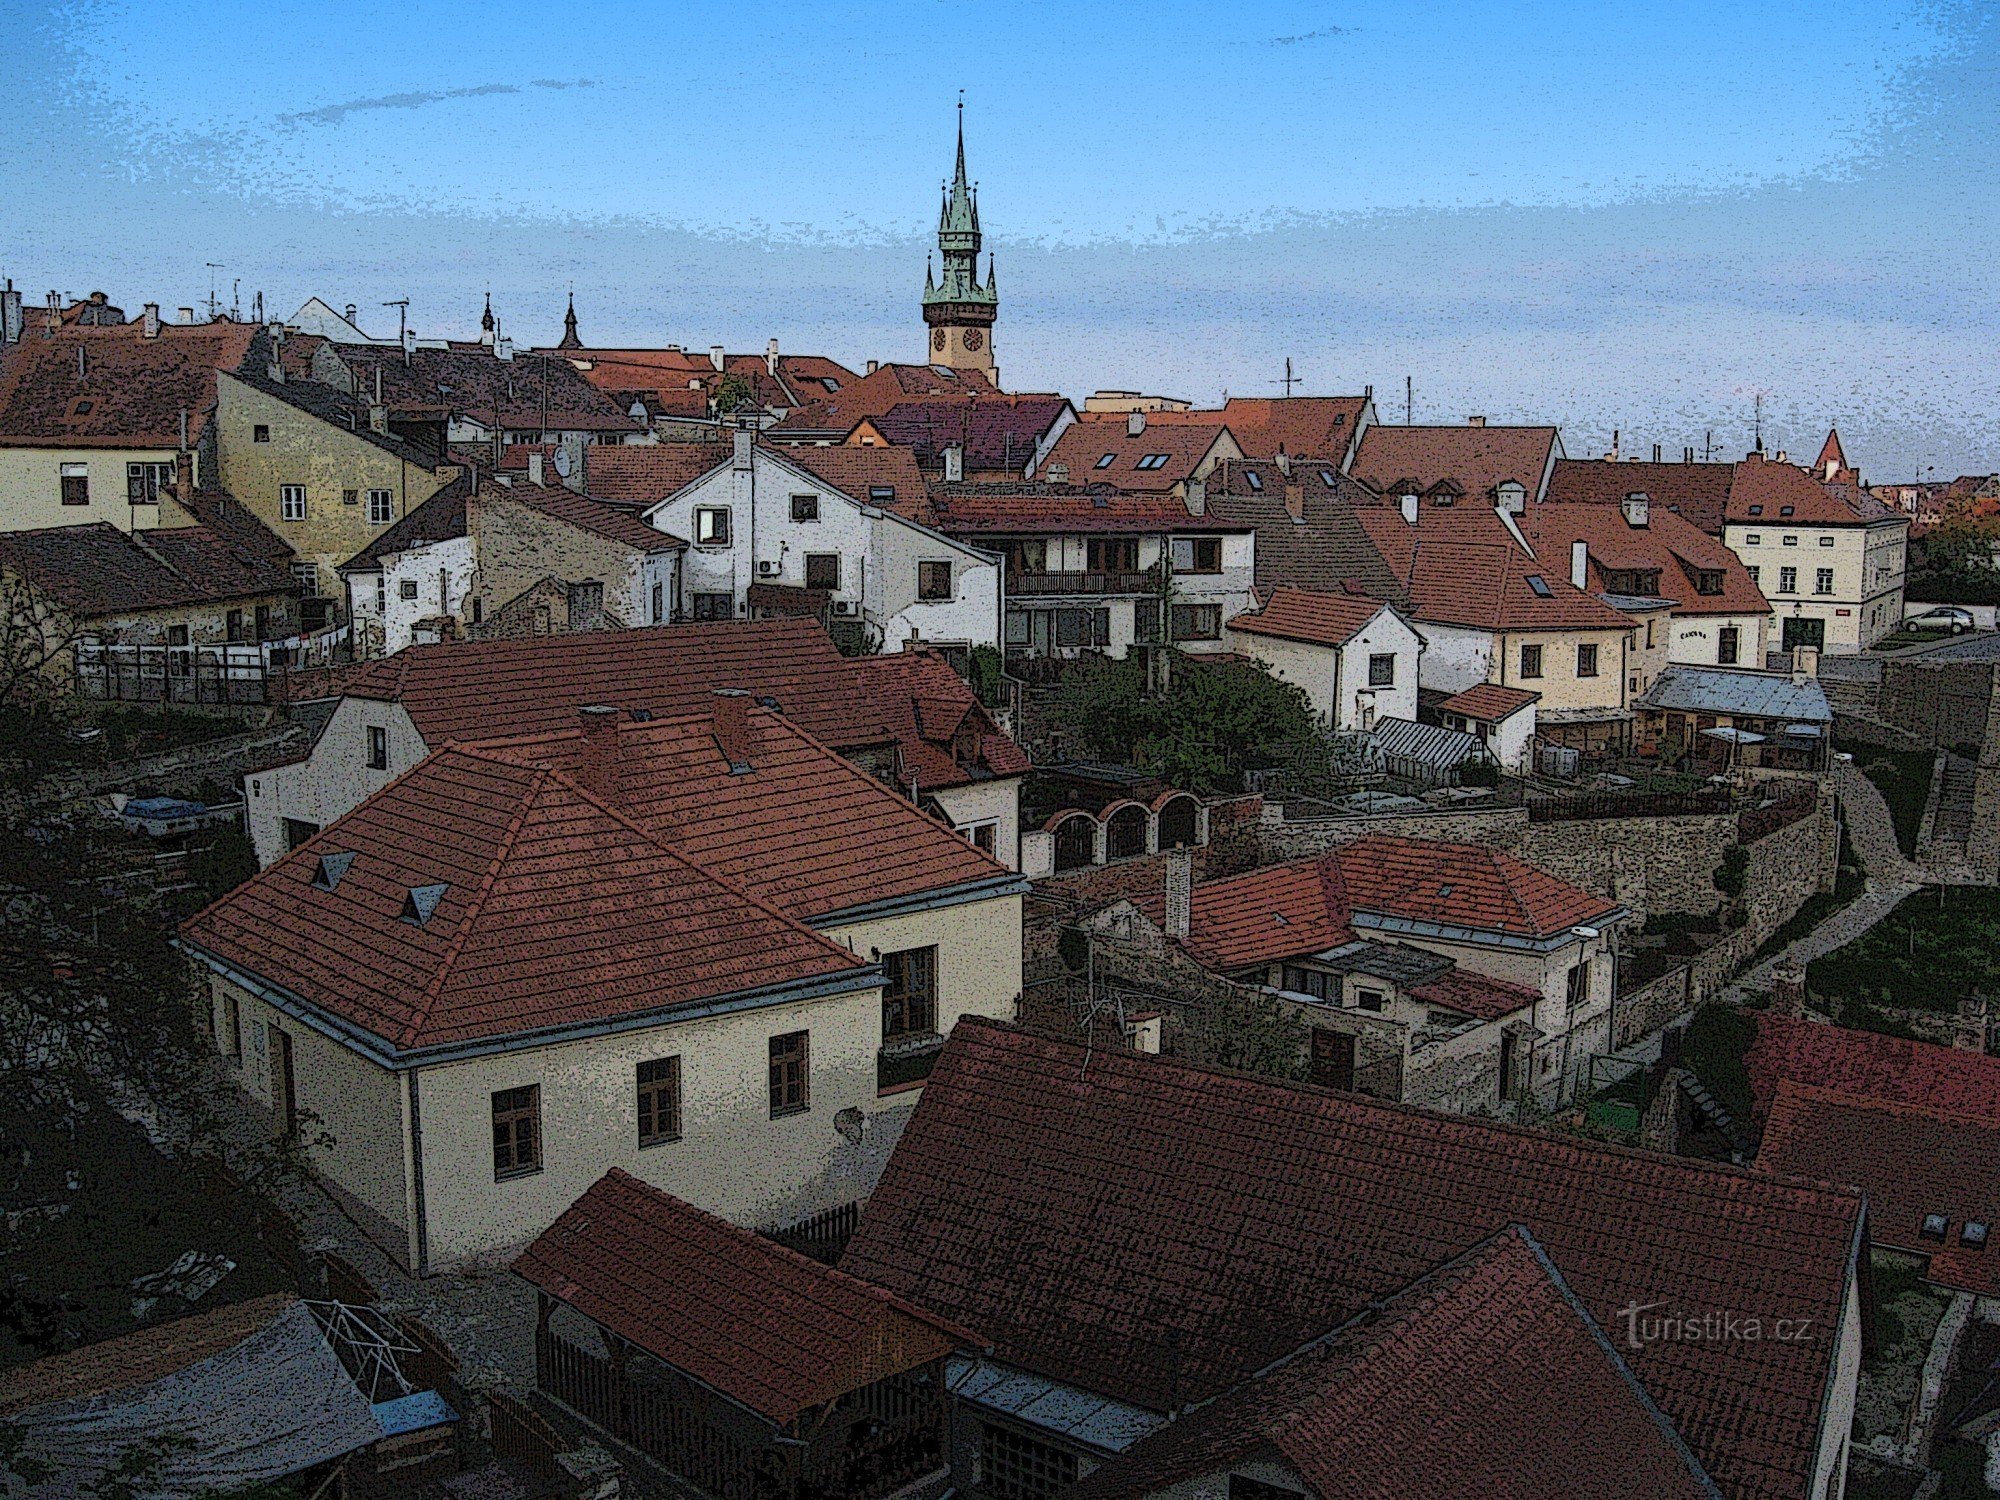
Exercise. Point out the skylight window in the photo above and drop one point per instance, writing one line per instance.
(1785, 510)
(1255, 480)
(1539, 586)
(642, 715)
(1326, 478)
(419, 901)
(1934, 1226)
(1756, 510)
(829, 382)
(1152, 461)
(331, 868)
(1106, 462)
(1973, 1235)
(881, 492)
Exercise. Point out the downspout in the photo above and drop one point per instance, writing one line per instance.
(419, 1215)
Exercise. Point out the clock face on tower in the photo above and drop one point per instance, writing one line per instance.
(937, 338)
(973, 339)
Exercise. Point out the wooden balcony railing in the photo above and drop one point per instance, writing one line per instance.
(1142, 581)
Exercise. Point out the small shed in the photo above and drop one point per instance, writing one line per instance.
(1428, 753)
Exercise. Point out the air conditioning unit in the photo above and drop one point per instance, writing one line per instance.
(769, 569)
(846, 607)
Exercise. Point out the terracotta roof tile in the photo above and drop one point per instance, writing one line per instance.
(1698, 493)
(1472, 994)
(1488, 702)
(586, 513)
(837, 413)
(132, 390)
(1478, 459)
(646, 473)
(95, 570)
(1868, 1065)
(1482, 1378)
(1675, 548)
(1461, 566)
(1034, 508)
(1766, 490)
(1298, 615)
(767, 1327)
(552, 909)
(1183, 446)
(1157, 1232)
(995, 433)
(441, 518)
(933, 712)
(543, 393)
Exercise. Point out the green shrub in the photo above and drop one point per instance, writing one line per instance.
(1730, 875)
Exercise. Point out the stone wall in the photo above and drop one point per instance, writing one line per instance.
(1947, 704)
(180, 772)
(1499, 827)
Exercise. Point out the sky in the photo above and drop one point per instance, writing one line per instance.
(1630, 218)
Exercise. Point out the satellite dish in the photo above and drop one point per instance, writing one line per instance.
(562, 462)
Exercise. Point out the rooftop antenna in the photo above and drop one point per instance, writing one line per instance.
(213, 267)
(402, 306)
(1409, 399)
(1757, 406)
(1290, 379)
(236, 300)
(1707, 443)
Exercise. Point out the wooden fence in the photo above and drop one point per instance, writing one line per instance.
(524, 1438)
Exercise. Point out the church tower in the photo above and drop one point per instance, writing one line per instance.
(958, 311)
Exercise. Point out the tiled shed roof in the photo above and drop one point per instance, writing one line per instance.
(1158, 1232)
(1488, 702)
(95, 570)
(1301, 615)
(1181, 447)
(646, 473)
(1869, 1065)
(767, 1327)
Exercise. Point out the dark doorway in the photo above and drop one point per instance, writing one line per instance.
(1332, 1059)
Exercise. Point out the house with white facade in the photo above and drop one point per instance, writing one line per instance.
(1355, 657)
(763, 517)
(409, 584)
(520, 965)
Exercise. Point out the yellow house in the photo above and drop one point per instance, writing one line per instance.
(520, 965)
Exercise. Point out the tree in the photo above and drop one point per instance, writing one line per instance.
(1236, 1027)
(730, 392)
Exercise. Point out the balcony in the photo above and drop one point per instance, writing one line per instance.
(1092, 585)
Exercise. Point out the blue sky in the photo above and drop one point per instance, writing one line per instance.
(1622, 216)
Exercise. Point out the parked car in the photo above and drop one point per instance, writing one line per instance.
(1944, 617)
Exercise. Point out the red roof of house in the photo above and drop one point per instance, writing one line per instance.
(1473, 994)
(646, 473)
(1489, 702)
(1304, 426)
(946, 736)
(1299, 615)
(1157, 1232)
(859, 472)
(1910, 1161)
(802, 829)
(1179, 447)
(1483, 1377)
(128, 392)
(767, 1327)
(1698, 493)
(994, 432)
(611, 522)
(837, 413)
(1034, 508)
(1461, 566)
(1768, 491)
(540, 392)
(96, 570)
(1477, 459)
(1306, 905)
(1675, 548)
(1868, 1065)
(489, 897)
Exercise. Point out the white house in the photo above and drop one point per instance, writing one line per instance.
(763, 518)
(409, 585)
(1355, 657)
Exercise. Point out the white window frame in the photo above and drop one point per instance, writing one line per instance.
(381, 507)
(291, 502)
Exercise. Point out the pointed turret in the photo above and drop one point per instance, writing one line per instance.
(569, 338)
(486, 323)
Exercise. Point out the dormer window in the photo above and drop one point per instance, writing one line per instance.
(1934, 1227)
(419, 901)
(326, 876)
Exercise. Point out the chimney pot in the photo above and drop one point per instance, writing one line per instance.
(1197, 497)
(1284, 462)
(597, 766)
(187, 314)
(1579, 564)
(715, 356)
(1475, 421)
(1135, 423)
(351, 310)
(149, 319)
(731, 716)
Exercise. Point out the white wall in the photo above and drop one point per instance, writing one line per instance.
(1456, 657)
(442, 573)
(997, 802)
(333, 779)
(1695, 639)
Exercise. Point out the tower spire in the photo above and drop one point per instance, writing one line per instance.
(958, 311)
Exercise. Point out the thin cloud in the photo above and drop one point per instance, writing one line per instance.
(333, 114)
(1324, 33)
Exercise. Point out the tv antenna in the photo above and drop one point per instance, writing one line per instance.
(213, 267)
(402, 306)
(1290, 379)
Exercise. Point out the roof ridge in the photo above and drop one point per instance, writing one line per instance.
(420, 1013)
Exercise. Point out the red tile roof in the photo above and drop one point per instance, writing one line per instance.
(611, 522)
(1910, 1161)
(802, 829)
(646, 473)
(1482, 1378)
(1083, 449)
(552, 909)
(1698, 493)
(542, 393)
(1304, 426)
(1473, 994)
(1489, 702)
(835, 414)
(995, 433)
(1032, 508)
(1765, 490)
(855, 472)
(96, 570)
(1157, 1232)
(132, 390)
(1478, 459)
(1460, 566)
(1868, 1065)
(1305, 906)
(1319, 619)
(936, 719)
(770, 1329)
(1676, 548)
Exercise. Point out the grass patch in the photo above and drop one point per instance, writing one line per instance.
(1936, 948)
(1903, 777)
(1911, 638)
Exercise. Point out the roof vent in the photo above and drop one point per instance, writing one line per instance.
(331, 868)
(1973, 1235)
(1934, 1226)
(419, 901)
(642, 715)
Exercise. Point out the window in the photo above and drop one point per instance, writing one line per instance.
(1576, 988)
(1826, 541)
(1756, 510)
(1197, 622)
(1083, 627)
(1321, 986)
(823, 571)
(232, 627)
(1727, 643)
(517, 1131)
(1028, 556)
(1017, 627)
(381, 507)
(1106, 461)
(933, 580)
(1371, 1000)
(1586, 661)
(711, 527)
(297, 831)
(143, 482)
(292, 502)
(1197, 554)
(879, 494)
(350, 497)
(985, 837)
(659, 1100)
(1934, 1226)
(1153, 461)
(1014, 1466)
(1791, 541)
(76, 484)
(1785, 510)
(1112, 554)
(659, 602)
(1255, 480)
(1788, 580)
(714, 606)
(407, 588)
(1708, 581)
(306, 576)
(1382, 669)
(1539, 586)
(1972, 1234)
(1753, 540)
(805, 507)
(1649, 635)
(1754, 573)
(1823, 581)
(378, 748)
(1531, 661)
(909, 993)
(260, 433)
(382, 595)
(789, 1083)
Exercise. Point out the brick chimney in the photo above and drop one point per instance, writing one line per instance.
(1197, 497)
(744, 440)
(1638, 508)
(1180, 892)
(184, 473)
(535, 474)
(731, 715)
(597, 765)
(1475, 421)
(149, 319)
(1284, 462)
(1788, 992)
